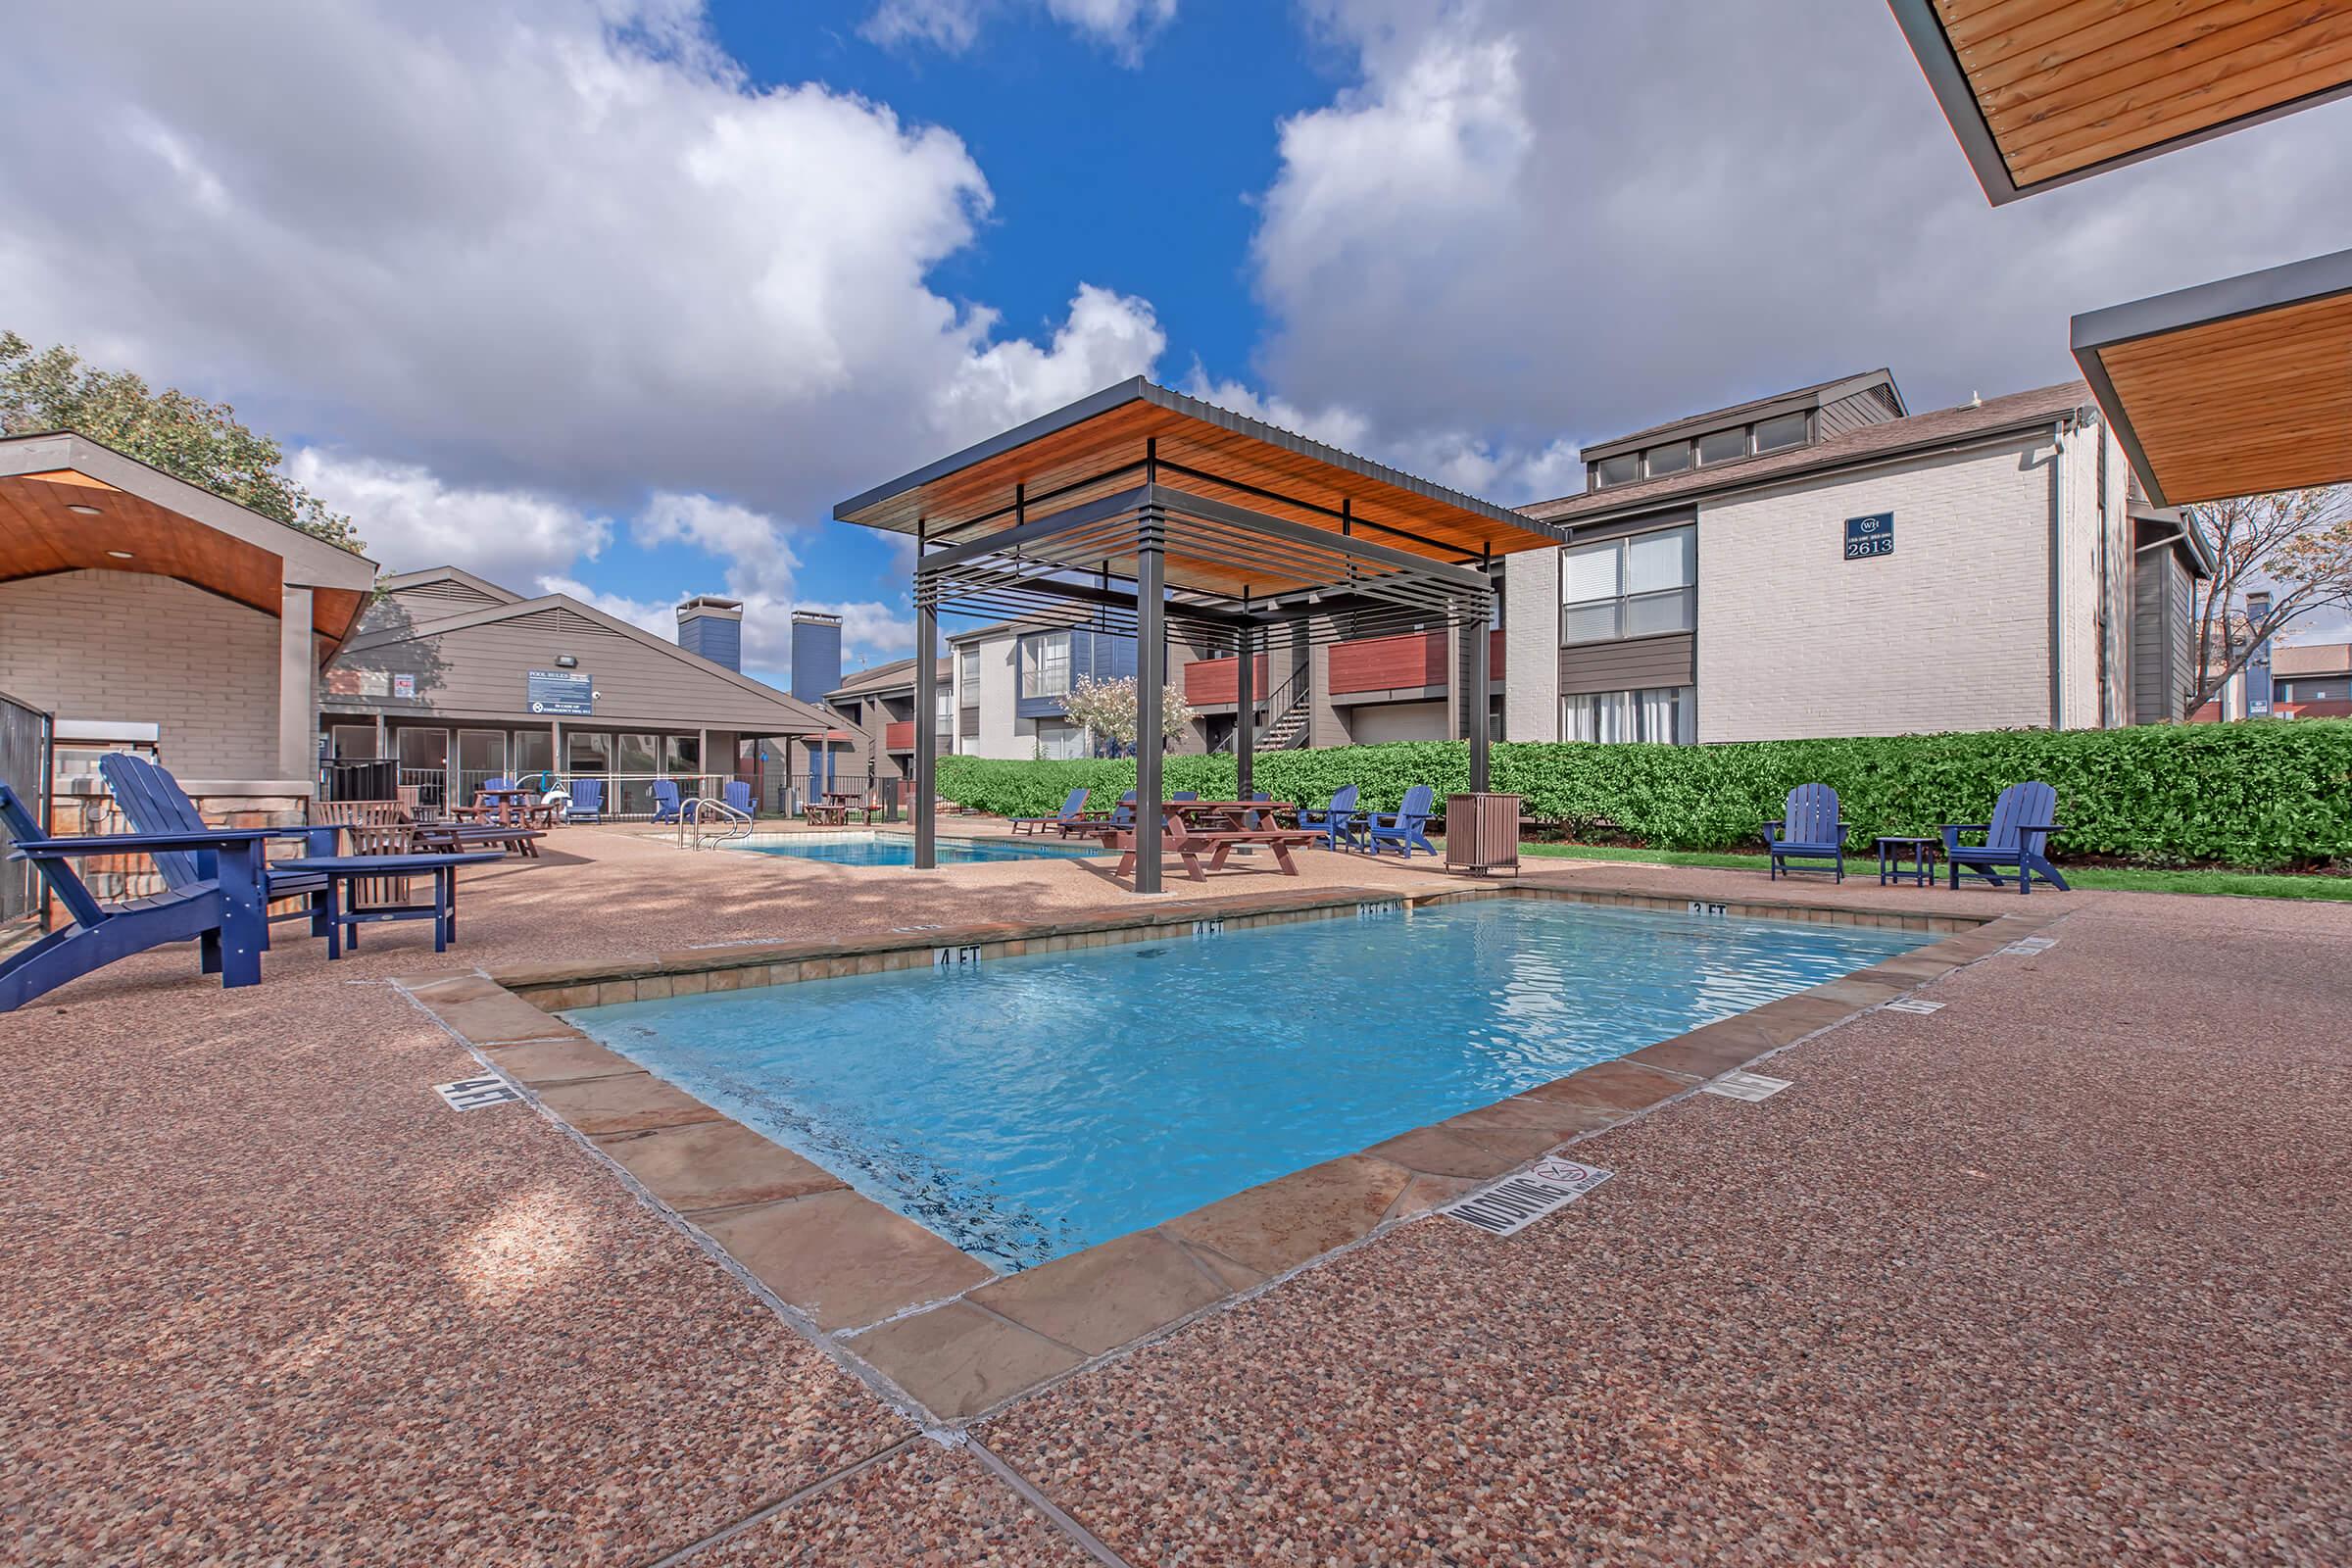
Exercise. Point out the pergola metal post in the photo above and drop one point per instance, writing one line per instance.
(926, 742)
(1245, 733)
(1482, 685)
(1151, 673)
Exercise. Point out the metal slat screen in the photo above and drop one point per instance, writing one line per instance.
(24, 768)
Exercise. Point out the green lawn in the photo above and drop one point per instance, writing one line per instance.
(2233, 884)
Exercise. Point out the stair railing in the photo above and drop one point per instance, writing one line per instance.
(702, 814)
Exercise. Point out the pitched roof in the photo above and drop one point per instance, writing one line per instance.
(1890, 438)
(514, 609)
(1804, 397)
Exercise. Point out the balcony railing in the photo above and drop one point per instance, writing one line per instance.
(899, 735)
(1410, 660)
(1209, 683)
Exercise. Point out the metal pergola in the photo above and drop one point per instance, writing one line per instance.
(1138, 512)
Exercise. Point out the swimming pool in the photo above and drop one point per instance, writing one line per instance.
(898, 849)
(1027, 1108)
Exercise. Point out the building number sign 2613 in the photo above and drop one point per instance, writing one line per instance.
(1870, 536)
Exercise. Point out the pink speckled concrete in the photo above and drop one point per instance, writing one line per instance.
(2055, 1275)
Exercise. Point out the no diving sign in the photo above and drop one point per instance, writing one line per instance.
(1510, 1206)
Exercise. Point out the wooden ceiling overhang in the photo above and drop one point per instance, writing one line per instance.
(2044, 93)
(2232, 388)
(68, 504)
(1042, 526)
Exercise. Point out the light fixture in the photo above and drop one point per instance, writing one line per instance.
(566, 662)
(120, 554)
(75, 505)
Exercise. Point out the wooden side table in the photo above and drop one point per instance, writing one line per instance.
(1894, 851)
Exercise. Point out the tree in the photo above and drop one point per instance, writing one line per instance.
(185, 436)
(2295, 545)
(1109, 708)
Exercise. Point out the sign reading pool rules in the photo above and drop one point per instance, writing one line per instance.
(1510, 1206)
(1870, 536)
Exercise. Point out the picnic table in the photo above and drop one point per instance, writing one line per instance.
(1215, 828)
(510, 807)
(837, 805)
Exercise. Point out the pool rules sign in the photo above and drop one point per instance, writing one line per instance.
(1870, 536)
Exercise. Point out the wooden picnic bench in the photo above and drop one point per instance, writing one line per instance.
(1215, 828)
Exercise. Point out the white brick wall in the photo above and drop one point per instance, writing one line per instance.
(1951, 632)
(1531, 646)
(133, 647)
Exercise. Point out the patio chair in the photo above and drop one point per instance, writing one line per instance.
(1336, 821)
(1808, 828)
(739, 796)
(1406, 827)
(1184, 795)
(2021, 826)
(587, 801)
(665, 800)
(153, 802)
(1073, 809)
(221, 907)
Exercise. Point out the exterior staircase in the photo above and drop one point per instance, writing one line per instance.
(1288, 731)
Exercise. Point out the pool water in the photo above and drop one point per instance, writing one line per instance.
(898, 849)
(1028, 1107)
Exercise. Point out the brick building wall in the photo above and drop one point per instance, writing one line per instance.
(1951, 632)
(202, 666)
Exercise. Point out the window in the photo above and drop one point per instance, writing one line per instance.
(1722, 446)
(532, 751)
(967, 676)
(1616, 471)
(1665, 714)
(1667, 459)
(1046, 665)
(1060, 743)
(1635, 587)
(635, 754)
(1788, 430)
(943, 713)
(353, 741)
(586, 752)
(681, 753)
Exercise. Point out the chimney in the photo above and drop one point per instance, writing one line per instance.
(712, 627)
(815, 655)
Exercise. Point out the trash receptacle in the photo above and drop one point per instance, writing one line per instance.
(1482, 833)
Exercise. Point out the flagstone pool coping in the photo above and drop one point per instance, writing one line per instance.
(942, 1333)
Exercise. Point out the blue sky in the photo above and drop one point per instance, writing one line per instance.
(616, 297)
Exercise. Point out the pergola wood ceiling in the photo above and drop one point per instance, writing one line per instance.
(39, 535)
(1099, 447)
(2042, 93)
(2232, 388)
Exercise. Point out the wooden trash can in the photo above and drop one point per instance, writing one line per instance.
(1482, 833)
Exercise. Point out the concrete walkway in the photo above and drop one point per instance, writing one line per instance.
(2056, 1274)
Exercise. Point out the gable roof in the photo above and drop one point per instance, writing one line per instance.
(513, 608)
(1764, 407)
(898, 674)
(469, 588)
(1871, 443)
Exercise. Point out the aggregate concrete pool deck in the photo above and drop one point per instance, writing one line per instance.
(2055, 1274)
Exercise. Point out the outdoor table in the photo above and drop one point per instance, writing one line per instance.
(1191, 826)
(342, 870)
(512, 804)
(1920, 853)
(1233, 814)
(847, 801)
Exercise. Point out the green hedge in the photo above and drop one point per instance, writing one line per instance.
(2264, 795)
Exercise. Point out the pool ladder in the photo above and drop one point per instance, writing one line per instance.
(699, 815)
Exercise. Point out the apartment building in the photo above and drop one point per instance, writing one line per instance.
(1825, 562)
(877, 706)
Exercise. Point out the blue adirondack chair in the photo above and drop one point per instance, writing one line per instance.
(1184, 795)
(1808, 828)
(665, 800)
(1337, 820)
(587, 801)
(2021, 825)
(153, 802)
(1073, 809)
(222, 908)
(739, 796)
(1404, 828)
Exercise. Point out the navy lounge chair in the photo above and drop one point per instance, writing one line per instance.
(2021, 826)
(665, 800)
(739, 796)
(1336, 821)
(1808, 828)
(153, 802)
(587, 801)
(1073, 809)
(1404, 828)
(221, 907)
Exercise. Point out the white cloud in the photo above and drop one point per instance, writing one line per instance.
(952, 26)
(554, 245)
(412, 519)
(1540, 223)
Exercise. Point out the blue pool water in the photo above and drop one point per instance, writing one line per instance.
(898, 849)
(1031, 1107)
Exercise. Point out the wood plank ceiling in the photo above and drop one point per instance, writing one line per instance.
(2065, 85)
(2244, 405)
(40, 533)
